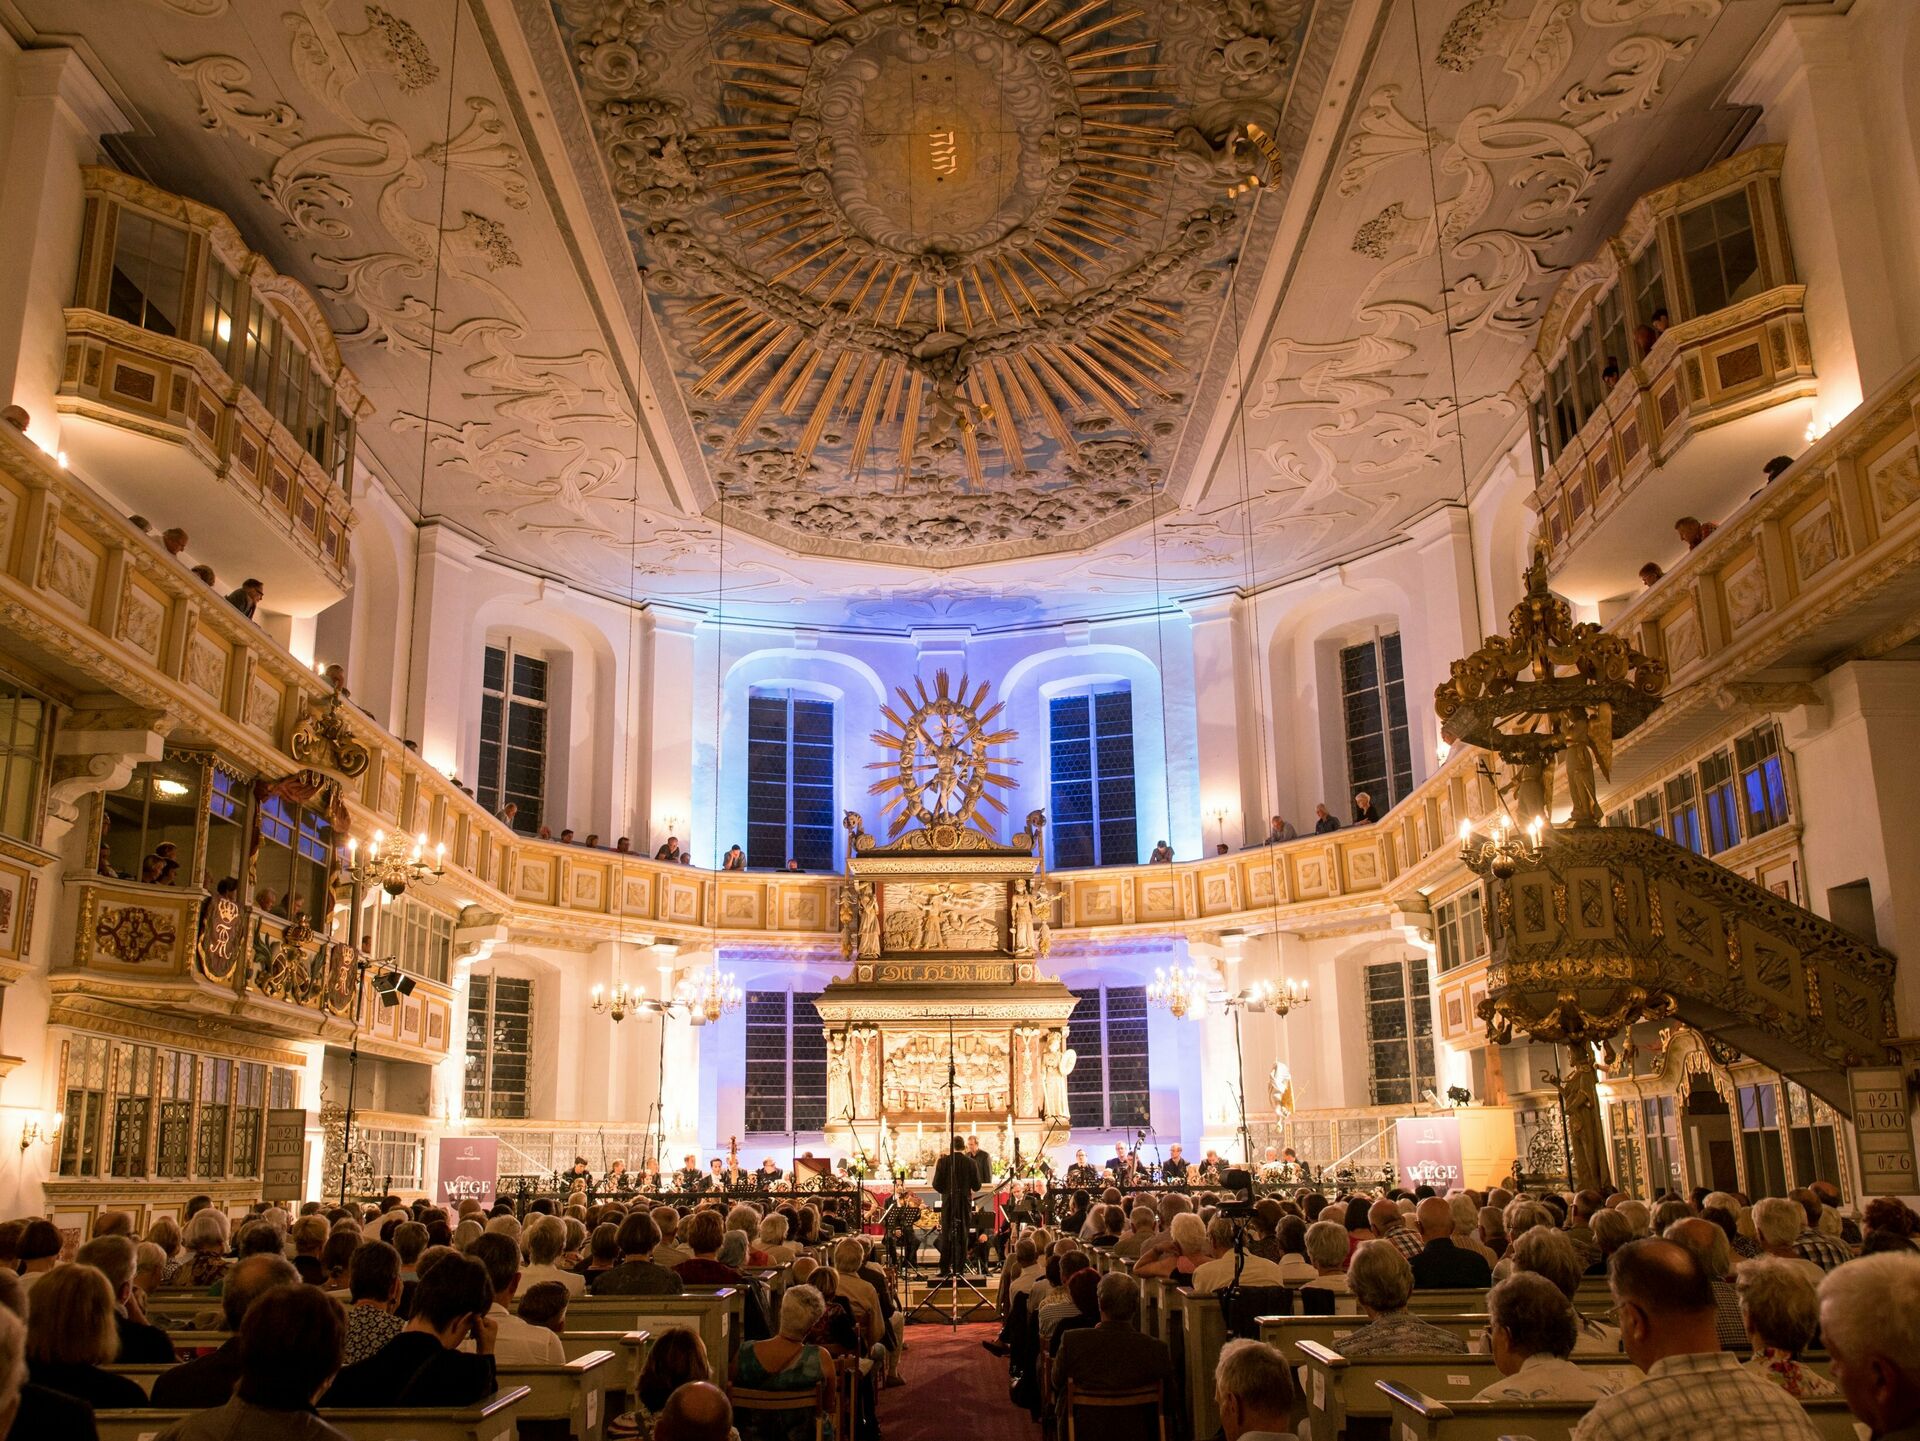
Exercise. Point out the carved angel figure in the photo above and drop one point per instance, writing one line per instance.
(1055, 1066)
(839, 1076)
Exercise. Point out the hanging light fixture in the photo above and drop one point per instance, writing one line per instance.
(1181, 991)
(709, 995)
(617, 1002)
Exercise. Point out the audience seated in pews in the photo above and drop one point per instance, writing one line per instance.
(1219, 1272)
(71, 1338)
(1252, 1392)
(1870, 1323)
(787, 1361)
(698, 1411)
(1664, 1300)
(1112, 1355)
(291, 1346)
(1709, 1246)
(517, 1342)
(1780, 1309)
(210, 1380)
(40, 1411)
(1531, 1330)
(140, 1344)
(1549, 1252)
(1382, 1282)
(1439, 1264)
(641, 1271)
(706, 1233)
(676, 1361)
(373, 1300)
(422, 1365)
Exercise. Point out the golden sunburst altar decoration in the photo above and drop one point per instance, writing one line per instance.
(942, 764)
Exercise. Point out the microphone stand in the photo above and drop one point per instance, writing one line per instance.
(954, 1281)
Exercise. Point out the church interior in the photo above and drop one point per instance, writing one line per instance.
(1235, 600)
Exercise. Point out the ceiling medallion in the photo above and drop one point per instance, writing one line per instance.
(933, 277)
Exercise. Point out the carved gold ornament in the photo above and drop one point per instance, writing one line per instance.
(325, 739)
(1547, 691)
(942, 762)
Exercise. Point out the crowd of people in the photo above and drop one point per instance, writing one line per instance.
(1716, 1307)
(1715, 1303)
(396, 1306)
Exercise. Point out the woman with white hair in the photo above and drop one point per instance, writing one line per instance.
(1328, 1293)
(1466, 1226)
(787, 1362)
(1547, 1251)
(1781, 1311)
(206, 1241)
(546, 1238)
(1531, 1332)
(1190, 1249)
(1382, 1282)
(773, 1240)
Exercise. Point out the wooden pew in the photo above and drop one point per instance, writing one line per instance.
(574, 1394)
(492, 1420)
(189, 1344)
(1338, 1389)
(1419, 1417)
(1287, 1332)
(707, 1312)
(1203, 1334)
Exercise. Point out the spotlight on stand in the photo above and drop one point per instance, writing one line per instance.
(389, 986)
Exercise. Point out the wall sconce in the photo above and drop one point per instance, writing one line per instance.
(40, 1126)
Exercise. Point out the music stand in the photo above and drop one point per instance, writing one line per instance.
(943, 1298)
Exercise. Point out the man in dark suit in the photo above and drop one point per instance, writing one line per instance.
(1440, 1265)
(956, 1179)
(1173, 1170)
(982, 1160)
(638, 1274)
(1113, 1355)
(423, 1366)
(209, 1382)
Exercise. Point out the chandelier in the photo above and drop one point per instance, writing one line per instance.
(617, 1002)
(1266, 996)
(1500, 854)
(1181, 991)
(394, 868)
(709, 996)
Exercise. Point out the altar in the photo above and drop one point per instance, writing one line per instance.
(946, 928)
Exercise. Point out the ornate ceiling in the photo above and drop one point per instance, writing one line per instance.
(919, 287)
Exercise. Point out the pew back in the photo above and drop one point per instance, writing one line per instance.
(492, 1420)
(1419, 1417)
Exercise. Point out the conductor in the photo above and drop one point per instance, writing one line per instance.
(956, 1179)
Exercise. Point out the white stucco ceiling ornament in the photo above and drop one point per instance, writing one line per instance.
(936, 281)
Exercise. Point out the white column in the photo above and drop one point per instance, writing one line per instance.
(58, 112)
(679, 694)
(1819, 79)
(1227, 725)
(1441, 628)
(443, 689)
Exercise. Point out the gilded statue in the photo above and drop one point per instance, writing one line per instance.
(869, 903)
(1022, 918)
(1055, 1066)
(839, 1077)
(942, 764)
(849, 923)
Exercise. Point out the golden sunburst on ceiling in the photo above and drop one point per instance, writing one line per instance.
(972, 303)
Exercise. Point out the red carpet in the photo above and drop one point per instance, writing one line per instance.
(953, 1389)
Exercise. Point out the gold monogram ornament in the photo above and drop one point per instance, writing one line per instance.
(942, 763)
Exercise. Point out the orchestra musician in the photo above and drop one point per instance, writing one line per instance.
(1080, 1173)
(956, 1178)
(617, 1179)
(1173, 1170)
(1117, 1162)
(578, 1172)
(769, 1174)
(688, 1177)
(982, 1161)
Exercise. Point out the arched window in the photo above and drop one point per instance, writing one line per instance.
(1090, 767)
(513, 734)
(1374, 706)
(789, 780)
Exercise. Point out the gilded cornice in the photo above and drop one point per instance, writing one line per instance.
(98, 1015)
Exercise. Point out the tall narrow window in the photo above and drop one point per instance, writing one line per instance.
(1460, 929)
(786, 1064)
(1660, 1128)
(1721, 259)
(513, 735)
(1722, 802)
(1107, 1031)
(1763, 779)
(1811, 1138)
(414, 936)
(1683, 811)
(1374, 701)
(789, 781)
(132, 1109)
(1399, 1031)
(173, 1153)
(499, 1041)
(149, 273)
(249, 1096)
(216, 1109)
(1090, 756)
(23, 743)
(1760, 1140)
(83, 1105)
(1649, 286)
